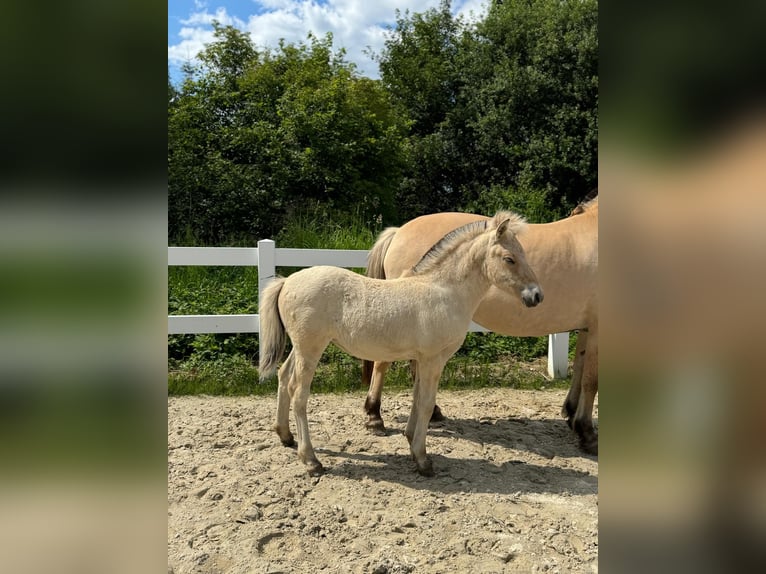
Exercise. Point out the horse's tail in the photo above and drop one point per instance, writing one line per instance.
(376, 270)
(273, 337)
(378, 253)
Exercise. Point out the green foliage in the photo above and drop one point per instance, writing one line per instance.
(503, 111)
(532, 203)
(533, 95)
(490, 347)
(253, 136)
(214, 291)
(419, 63)
(227, 375)
(320, 228)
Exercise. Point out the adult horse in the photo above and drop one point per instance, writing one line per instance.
(564, 255)
(422, 317)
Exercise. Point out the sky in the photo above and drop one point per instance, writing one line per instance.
(356, 25)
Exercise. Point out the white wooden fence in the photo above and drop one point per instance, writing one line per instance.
(267, 257)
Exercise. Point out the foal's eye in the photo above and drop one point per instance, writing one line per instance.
(509, 260)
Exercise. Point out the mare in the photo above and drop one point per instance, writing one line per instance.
(422, 317)
(564, 255)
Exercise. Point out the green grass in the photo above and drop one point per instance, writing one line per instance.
(234, 376)
(224, 364)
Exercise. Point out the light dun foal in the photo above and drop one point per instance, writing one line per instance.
(422, 316)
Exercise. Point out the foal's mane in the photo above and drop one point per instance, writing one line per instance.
(448, 243)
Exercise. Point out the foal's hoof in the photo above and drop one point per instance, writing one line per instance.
(426, 469)
(437, 415)
(315, 468)
(376, 426)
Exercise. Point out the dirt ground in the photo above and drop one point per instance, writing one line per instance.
(512, 492)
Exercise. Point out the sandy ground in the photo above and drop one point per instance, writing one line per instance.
(512, 492)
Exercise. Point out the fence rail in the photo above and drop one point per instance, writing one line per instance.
(267, 257)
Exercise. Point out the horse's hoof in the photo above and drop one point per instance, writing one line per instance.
(437, 415)
(426, 469)
(288, 442)
(568, 413)
(589, 446)
(376, 426)
(315, 469)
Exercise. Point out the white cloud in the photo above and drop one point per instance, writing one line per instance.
(206, 18)
(355, 24)
(193, 40)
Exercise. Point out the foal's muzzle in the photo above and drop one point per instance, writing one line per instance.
(532, 295)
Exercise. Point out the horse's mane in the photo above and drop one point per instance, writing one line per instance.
(447, 243)
(588, 201)
(468, 231)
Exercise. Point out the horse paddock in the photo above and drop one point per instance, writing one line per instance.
(512, 490)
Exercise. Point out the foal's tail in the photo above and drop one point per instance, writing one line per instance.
(272, 331)
(376, 271)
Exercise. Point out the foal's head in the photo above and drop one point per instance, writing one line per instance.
(506, 262)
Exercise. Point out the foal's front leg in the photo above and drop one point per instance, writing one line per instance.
(423, 400)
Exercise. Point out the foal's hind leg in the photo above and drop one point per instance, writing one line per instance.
(372, 403)
(573, 397)
(300, 385)
(283, 401)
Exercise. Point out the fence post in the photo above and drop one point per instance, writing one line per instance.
(558, 355)
(267, 265)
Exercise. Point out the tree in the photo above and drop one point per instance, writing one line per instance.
(419, 66)
(255, 136)
(504, 111)
(532, 88)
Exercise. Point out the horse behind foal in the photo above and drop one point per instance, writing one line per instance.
(564, 255)
(422, 317)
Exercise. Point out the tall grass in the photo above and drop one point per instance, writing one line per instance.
(224, 364)
(313, 230)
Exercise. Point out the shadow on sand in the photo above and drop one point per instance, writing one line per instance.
(548, 438)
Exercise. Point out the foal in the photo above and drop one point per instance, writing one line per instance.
(422, 317)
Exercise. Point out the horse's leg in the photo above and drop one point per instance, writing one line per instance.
(423, 406)
(283, 401)
(372, 403)
(573, 397)
(300, 385)
(436, 415)
(583, 419)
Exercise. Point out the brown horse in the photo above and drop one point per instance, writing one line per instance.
(564, 255)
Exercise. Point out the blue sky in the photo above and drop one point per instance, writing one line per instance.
(356, 24)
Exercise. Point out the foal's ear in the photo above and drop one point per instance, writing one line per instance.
(507, 221)
(502, 228)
